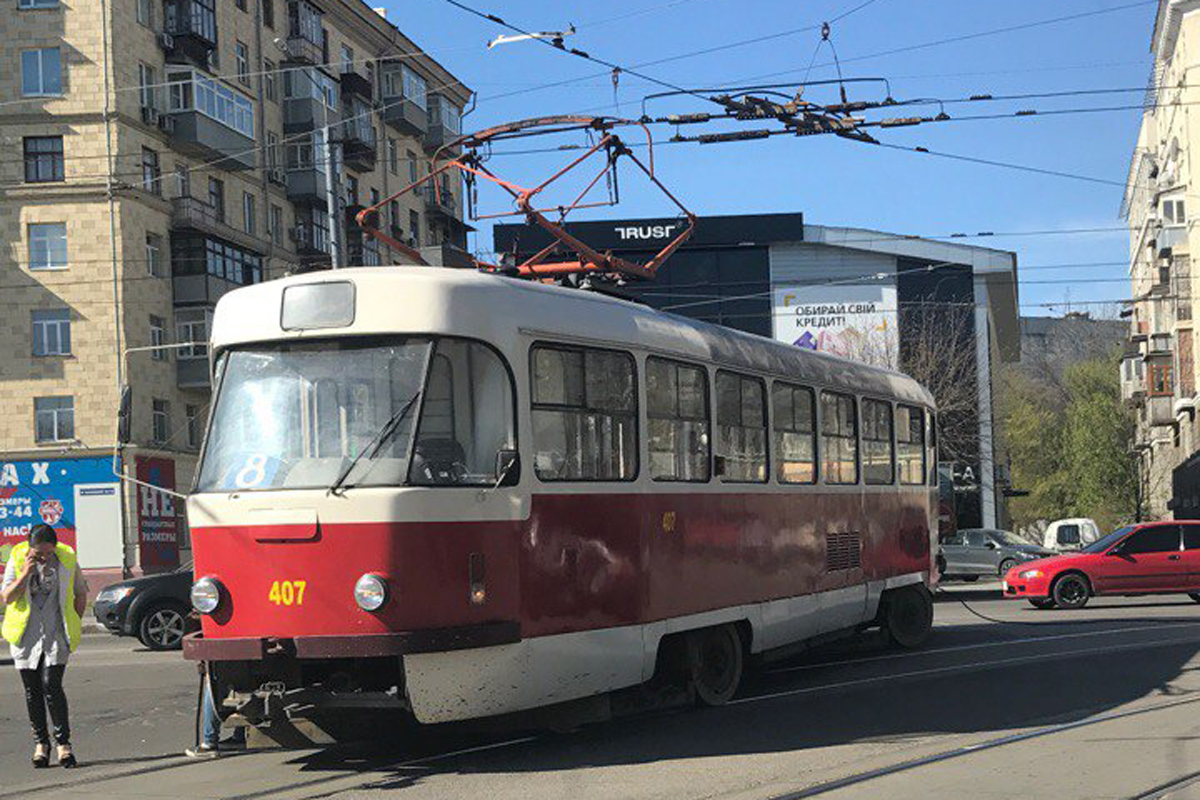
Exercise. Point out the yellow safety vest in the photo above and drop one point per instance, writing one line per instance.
(16, 614)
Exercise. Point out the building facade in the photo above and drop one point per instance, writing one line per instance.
(914, 304)
(1158, 371)
(162, 153)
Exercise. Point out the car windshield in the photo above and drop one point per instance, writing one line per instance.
(1008, 539)
(296, 415)
(1102, 544)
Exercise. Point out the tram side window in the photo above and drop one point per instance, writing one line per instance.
(584, 414)
(910, 445)
(877, 443)
(795, 434)
(741, 428)
(839, 438)
(677, 407)
(466, 417)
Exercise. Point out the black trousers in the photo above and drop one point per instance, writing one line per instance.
(43, 688)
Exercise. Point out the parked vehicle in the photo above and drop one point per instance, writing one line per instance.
(1150, 558)
(975, 552)
(1065, 535)
(154, 608)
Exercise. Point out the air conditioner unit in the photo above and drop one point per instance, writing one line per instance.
(277, 176)
(167, 41)
(150, 115)
(166, 123)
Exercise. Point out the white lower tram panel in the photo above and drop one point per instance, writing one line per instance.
(464, 684)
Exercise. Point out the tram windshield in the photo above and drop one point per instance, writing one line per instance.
(307, 415)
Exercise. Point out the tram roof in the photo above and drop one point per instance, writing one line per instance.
(493, 308)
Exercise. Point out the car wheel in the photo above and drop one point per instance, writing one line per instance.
(1042, 602)
(1006, 565)
(715, 660)
(1195, 596)
(162, 627)
(1071, 591)
(908, 616)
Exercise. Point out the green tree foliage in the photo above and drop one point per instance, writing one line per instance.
(1069, 442)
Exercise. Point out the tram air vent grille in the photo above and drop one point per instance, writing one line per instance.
(842, 551)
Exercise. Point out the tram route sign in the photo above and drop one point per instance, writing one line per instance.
(157, 514)
(855, 322)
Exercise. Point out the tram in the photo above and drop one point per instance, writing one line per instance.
(459, 495)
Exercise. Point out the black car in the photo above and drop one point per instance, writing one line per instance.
(154, 608)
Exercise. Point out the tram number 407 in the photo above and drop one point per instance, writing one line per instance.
(287, 593)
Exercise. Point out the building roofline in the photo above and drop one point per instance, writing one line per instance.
(980, 259)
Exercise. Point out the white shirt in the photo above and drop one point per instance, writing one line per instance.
(45, 634)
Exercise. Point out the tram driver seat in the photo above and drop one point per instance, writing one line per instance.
(438, 462)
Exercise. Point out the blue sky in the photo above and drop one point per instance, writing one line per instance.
(836, 182)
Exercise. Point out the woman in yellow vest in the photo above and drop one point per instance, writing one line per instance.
(44, 596)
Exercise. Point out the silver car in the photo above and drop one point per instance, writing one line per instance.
(973, 552)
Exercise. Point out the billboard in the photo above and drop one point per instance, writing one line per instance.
(856, 322)
(52, 491)
(158, 520)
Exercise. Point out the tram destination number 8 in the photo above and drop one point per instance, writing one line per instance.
(287, 593)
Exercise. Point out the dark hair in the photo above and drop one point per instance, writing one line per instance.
(42, 534)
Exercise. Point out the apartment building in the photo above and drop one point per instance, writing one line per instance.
(1158, 372)
(160, 154)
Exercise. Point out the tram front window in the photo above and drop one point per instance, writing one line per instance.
(316, 414)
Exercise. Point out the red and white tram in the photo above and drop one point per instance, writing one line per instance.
(465, 495)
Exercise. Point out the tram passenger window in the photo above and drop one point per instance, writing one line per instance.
(584, 414)
(839, 438)
(741, 428)
(795, 434)
(466, 417)
(910, 445)
(877, 443)
(677, 407)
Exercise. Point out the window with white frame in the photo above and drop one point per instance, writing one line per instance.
(193, 425)
(242, 56)
(54, 419)
(1173, 211)
(275, 224)
(249, 213)
(270, 82)
(347, 59)
(160, 420)
(38, 4)
(47, 245)
(148, 85)
(154, 255)
(151, 172)
(190, 90)
(51, 332)
(393, 156)
(192, 325)
(145, 12)
(414, 87)
(41, 72)
(158, 338)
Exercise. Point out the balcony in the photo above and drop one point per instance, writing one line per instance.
(203, 137)
(405, 116)
(200, 290)
(447, 255)
(298, 50)
(192, 373)
(303, 114)
(1160, 411)
(306, 185)
(355, 85)
(444, 120)
(441, 203)
(311, 241)
(1172, 238)
(188, 213)
(359, 150)
(1133, 378)
(189, 32)
(1157, 344)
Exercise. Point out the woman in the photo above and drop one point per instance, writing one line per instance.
(44, 596)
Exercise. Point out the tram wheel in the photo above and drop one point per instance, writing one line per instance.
(715, 661)
(908, 615)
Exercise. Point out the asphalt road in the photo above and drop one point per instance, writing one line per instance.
(1099, 703)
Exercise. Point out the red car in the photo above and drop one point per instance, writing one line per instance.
(1150, 558)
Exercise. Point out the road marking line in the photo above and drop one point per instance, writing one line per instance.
(961, 668)
(960, 648)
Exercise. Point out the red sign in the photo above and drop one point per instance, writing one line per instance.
(158, 521)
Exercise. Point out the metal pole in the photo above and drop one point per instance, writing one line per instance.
(331, 199)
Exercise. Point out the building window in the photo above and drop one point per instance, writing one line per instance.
(584, 414)
(241, 4)
(839, 438)
(183, 180)
(41, 72)
(52, 332)
(877, 443)
(158, 338)
(38, 4)
(268, 13)
(795, 422)
(275, 224)
(193, 425)
(151, 173)
(351, 190)
(192, 325)
(910, 445)
(374, 197)
(1162, 383)
(44, 159)
(216, 197)
(160, 420)
(741, 441)
(242, 54)
(412, 165)
(394, 208)
(201, 255)
(677, 408)
(249, 213)
(145, 12)
(148, 85)
(414, 228)
(154, 255)
(270, 81)
(188, 90)
(347, 59)
(414, 87)
(1173, 212)
(54, 419)
(304, 20)
(393, 156)
(47, 245)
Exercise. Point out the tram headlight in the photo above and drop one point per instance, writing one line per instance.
(370, 592)
(206, 595)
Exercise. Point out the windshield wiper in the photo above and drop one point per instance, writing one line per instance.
(375, 445)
